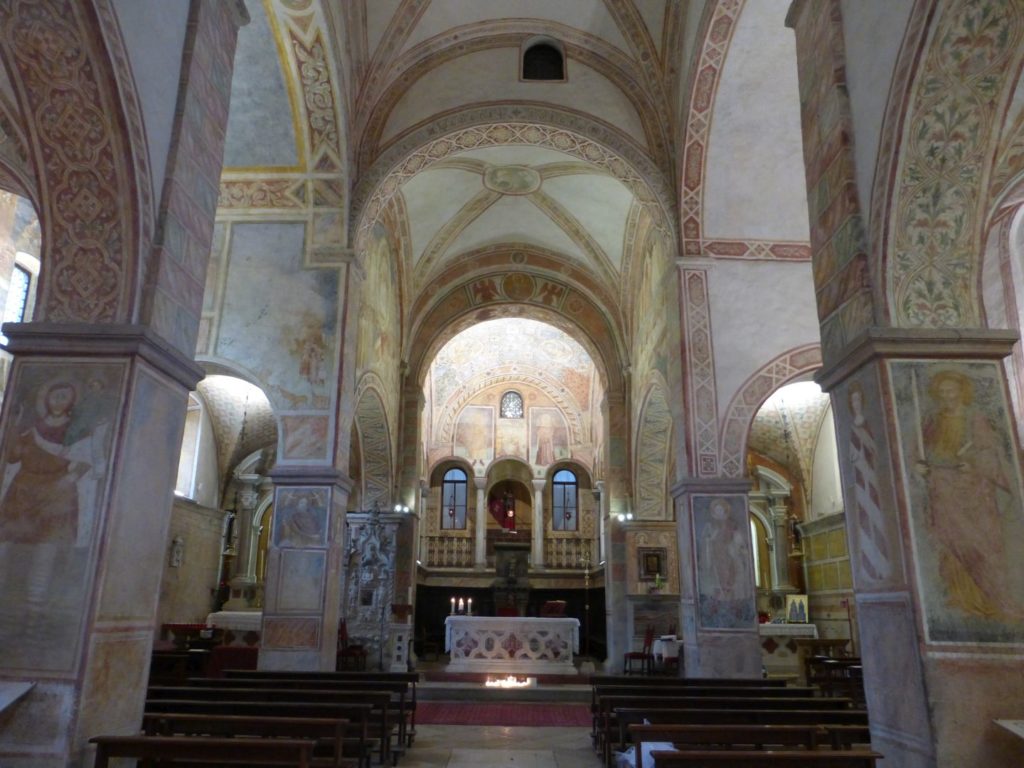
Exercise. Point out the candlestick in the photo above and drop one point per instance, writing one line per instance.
(469, 607)
(453, 605)
(462, 605)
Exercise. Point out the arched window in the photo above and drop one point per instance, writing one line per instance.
(453, 500)
(189, 456)
(563, 501)
(511, 405)
(543, 61)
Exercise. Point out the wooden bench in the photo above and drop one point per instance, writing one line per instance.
(409, 678)
(655, 714)
(401, 706)
(751, 736)
(358, 715)
(608, 704)
(732, 682)
(757, 759)
(689, 691)
(379, 726)
(328, 734)
(199, 750)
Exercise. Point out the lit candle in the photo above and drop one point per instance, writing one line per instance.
(453, 605)
(462, 605)
(469, 606)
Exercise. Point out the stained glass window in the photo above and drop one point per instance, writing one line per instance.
(511, 405)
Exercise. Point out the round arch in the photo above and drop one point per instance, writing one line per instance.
(751, 396)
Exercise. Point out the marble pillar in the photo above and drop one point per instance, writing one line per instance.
(243, 579)
(480, 524)
(539, 525)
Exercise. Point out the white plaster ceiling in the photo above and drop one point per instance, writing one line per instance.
(755, 187)
(526, 195)
(242, 419)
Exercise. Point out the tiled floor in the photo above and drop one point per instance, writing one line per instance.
(469, 746)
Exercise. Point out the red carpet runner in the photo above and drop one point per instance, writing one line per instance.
(518, 713)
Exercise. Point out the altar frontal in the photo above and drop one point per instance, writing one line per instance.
(515, 645)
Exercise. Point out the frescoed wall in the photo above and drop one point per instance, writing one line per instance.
(725, 580)
(379, 340)
(474, 435)
(52, 476)
(656, 294)
(956, 442)
(549, 438)
(285, 337)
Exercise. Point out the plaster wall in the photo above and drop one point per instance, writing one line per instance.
(827, 497)
(155, 61)
(755, 185)
(758, 311)
(207, 485)
(444, 14)
(685, 59)
(186, 590)
(480, 77)
(873, 32)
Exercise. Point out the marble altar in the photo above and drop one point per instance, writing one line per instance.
(511, 644)
(780, 653)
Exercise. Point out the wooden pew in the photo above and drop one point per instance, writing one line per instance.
(607, 704)
(758, 736)
(328, 734)
(204, 751)
(733, 736)
(410, 678)
(656, 714)
(757, 759)
(732, 682)
(358, 715)
(632, 689)
(401, 707)
(379, 726)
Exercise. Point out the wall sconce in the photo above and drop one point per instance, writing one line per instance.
(624, 517)
(401, 508)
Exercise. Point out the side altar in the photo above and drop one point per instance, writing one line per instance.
(511, 644)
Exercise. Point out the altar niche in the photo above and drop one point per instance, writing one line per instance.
(511, 584)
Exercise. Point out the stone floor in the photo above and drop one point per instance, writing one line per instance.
(468, 746)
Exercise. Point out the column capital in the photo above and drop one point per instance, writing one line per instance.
(922, 343)
(539, 483)
(710, 485)
(103, 340)
(299, 475)
(480, 483)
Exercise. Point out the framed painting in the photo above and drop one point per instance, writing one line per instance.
(652, 562)
(796, 609)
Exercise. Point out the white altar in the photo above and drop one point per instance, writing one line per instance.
(511, 645)
(779, 651)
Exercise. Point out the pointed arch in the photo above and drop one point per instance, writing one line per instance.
(653, 437)
(374, 445)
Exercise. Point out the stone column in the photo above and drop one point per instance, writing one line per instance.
(243, 581)
(537, 548)
(720, 636)
(83, 539)
(780, 550)
(303, 590)
(480, 526)
(599, 511)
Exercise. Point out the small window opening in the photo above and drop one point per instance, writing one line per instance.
(543, 61)
(511, 405)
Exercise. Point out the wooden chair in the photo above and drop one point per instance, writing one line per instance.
(350, 655)
(645, 656)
